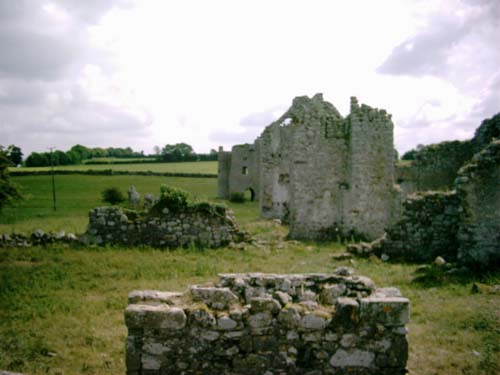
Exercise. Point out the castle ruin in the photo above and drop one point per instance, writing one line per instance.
(319, 172)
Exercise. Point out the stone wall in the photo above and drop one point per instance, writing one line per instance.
(478, 187)
(325, 174)
(461, 225)
(239, 170)
(269, 324)
(427, 229)
(223, 171)
(201, 226)
(435, 167)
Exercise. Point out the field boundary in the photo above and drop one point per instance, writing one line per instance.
(110, 172)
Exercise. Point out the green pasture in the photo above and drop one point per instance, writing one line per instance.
(61, 308)
(184, 167)
(114, 159)
(77, 194)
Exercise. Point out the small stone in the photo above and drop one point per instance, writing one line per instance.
(439, 261)
(290, 317)
(259, 304)
(210, 335)
(344, 271)
(341, 256)
(312, 322)
(225, 323)
(352, 358)
(384, 257)
(348, 340)
(331, 292)
(282, 297)
(260, 320)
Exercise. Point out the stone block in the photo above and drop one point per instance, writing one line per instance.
(389, 311)
(346, 312)
(259, 304)
(352, 358)
(217, 298)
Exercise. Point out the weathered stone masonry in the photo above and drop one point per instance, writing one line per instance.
(167, 228)
(462, 225)
(321, 172)
(269, 324)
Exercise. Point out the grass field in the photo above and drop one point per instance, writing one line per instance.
(185, 167)
(61, 309)
(113, 159)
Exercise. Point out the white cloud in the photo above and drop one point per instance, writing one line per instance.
(139, 74)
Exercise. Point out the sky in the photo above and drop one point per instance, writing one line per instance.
(145, 73)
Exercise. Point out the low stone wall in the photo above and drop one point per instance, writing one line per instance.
(38, 237)
(427, 229)
(259, 324)
(167, 228)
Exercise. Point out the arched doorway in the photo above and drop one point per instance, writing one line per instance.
(249, 195)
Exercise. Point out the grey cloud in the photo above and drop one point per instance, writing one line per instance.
(428, 53)
(425, 53)
(41, 104)
(35, 56)
(35, 47)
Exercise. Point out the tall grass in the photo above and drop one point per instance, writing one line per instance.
(61, 308)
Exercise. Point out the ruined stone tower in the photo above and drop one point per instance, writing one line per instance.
(325, 174)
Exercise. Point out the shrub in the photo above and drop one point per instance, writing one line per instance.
(112, 195)
(237, 197)
(8, 190)
(172, 198)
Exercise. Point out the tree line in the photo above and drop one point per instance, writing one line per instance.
(78, 153)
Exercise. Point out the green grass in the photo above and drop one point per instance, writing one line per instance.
(185, 167)
(77, 194)
(70, 301)
(114, 159)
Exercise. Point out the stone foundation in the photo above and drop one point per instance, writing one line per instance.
(259, 324)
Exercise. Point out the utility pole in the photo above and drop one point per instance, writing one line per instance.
(53, 179)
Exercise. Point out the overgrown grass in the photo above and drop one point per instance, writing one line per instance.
(184, 167)
(61, 309)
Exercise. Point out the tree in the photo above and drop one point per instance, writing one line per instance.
(82, 152)
(14, 154)
(36, 159)
(178, 152)
(8, 191)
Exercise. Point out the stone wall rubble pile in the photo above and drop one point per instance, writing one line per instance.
(256, 323)
(38, 237)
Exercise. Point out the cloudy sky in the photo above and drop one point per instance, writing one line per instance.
(142, 73)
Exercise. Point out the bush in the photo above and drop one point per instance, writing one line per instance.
(172, 198)
(112, 195)
(237, 197)
(8, 190)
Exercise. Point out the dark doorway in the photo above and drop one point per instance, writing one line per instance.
(249, 195)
